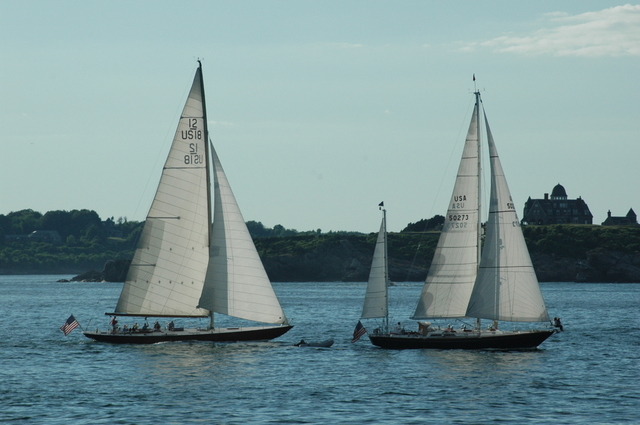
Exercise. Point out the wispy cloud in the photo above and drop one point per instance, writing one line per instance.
(610, 32)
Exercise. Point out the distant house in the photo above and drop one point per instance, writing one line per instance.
(557, 209)
(631, 219)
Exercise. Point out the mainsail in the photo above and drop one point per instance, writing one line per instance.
(375, 300)
(168, 268)
(506, 287)
(455, 262)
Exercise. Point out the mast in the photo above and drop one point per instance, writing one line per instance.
(386, 269)
(207, 156)
(479, 223)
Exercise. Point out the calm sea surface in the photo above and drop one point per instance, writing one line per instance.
(589, 374)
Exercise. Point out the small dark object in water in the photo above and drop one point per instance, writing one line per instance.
(323, 344)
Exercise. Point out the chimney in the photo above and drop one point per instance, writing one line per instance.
(546, 196)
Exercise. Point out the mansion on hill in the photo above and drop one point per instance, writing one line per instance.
(557, 209)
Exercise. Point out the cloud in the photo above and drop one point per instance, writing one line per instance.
(610, 32)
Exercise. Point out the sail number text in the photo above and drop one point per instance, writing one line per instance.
(194, 157)
(458, 221)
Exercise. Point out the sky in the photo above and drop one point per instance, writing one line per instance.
(319, 110)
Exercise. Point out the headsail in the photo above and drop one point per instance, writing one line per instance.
(453, 269)
(236, 283)
(506, 287)
(170, 261)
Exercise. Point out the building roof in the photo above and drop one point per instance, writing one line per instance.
(558, 191)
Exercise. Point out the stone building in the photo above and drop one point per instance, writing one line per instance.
(557, 209)
(631, 219)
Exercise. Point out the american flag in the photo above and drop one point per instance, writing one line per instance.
(358, 332)
(69, 325)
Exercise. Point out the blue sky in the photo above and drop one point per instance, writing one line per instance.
(319, 110)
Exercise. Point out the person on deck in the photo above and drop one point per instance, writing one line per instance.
(558, 323)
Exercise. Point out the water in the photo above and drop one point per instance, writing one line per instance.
(588, 374)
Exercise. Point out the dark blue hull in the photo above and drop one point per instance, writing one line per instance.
(215, 335)
(464, 341)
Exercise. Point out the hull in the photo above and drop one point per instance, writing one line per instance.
(214, 335)
(464, 340)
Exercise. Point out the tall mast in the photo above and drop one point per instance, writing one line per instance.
(479, 149)
(386, 270)
(479, 224)
(207, 155)
(207, 152)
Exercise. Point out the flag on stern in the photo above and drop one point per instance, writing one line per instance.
(358, 332)
(69, 325)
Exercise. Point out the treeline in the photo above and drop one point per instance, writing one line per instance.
(576, 240)
(87, 242)
(63, 241)
(84, 241)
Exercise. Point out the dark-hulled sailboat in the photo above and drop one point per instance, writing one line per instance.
(185, 265)
(467, 281)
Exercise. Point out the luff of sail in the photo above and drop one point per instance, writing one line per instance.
(506, 287)
(236, 283)
(454, 267)
(168, 268)
(375, 300)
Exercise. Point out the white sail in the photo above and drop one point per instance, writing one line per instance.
(375, 300)
(236, 282)
(506, 287)
(454, 267)
(170, 261)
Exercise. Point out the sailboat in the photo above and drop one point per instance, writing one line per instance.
(187, 266)
(468, 281)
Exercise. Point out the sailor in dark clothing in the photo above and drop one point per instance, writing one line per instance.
(558, 323)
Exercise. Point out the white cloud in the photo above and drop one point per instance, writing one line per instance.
(610, 32)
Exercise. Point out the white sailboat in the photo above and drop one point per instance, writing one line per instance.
(185, 266)
(468, 281)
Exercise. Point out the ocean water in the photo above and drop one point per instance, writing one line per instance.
(589, 374)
